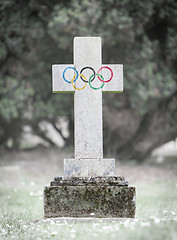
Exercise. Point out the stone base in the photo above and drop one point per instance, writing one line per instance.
(106, 197)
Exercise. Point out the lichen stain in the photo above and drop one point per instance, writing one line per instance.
(80, 201)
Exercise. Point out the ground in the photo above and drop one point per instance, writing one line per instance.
(24, 174)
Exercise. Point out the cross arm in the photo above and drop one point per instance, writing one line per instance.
(116, 83)
(58, 83)
(62, 75)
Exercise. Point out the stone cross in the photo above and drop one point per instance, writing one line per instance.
(87, 78)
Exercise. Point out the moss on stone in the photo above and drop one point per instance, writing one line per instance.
(81, 201)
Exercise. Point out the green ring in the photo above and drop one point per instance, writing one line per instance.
(91, 78)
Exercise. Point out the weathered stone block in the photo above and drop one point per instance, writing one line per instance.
(88, 167)
(76, 197)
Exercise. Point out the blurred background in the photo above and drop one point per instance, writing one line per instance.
(141, 35)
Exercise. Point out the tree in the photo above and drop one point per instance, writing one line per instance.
(141, 35)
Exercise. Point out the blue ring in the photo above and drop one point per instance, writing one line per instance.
(77, 75)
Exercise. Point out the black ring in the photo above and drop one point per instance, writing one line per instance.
(93, 74)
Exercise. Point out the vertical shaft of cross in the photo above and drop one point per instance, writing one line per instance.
(88, 104)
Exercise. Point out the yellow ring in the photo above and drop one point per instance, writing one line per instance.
(81, 75)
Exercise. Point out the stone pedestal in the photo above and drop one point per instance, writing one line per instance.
(89, 197)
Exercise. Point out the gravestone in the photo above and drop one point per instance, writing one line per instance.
(89, 186)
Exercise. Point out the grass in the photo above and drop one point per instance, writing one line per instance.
(21, 216)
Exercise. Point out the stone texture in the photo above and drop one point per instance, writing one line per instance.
(58, 84)
(88, 167)
(94, 181)
(116, 84)
(88, 104)
(69, 199)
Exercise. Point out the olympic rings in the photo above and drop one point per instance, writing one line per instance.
(110, 77)
(93, 73)
(91, 78)
(90, 81)
(72, 82)
(77, 75)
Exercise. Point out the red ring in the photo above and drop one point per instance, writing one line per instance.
(110, 77)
